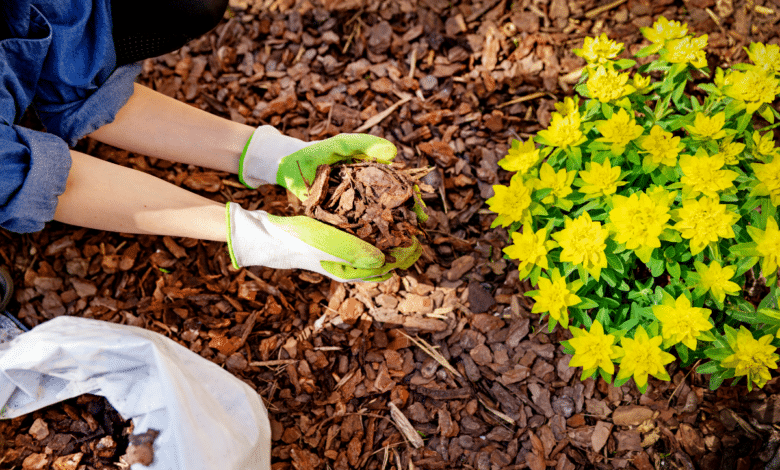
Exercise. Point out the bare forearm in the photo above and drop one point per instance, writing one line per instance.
(158, 126)
(105, 196)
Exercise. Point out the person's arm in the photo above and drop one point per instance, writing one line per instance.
(156, 125)
(106, 196)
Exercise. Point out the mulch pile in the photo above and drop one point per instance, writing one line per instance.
(442, 366)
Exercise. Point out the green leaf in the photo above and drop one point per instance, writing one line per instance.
(606, 110)
(586, 304)
(718, 354)
(656, 266)
(742, 310)
(744, 265)
(622, 64)
(648, 50)
(716, 380)
(609, 276)
(766, 112)
(708, 368)
(682, 352)
(771, 300)
(615, 263)
(743, 249)
(673, 268)
(743, 122)
(709, 88)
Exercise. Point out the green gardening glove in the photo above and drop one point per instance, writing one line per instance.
(256, 238)
(270, 157)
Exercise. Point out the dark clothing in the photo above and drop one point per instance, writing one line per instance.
(148, 28)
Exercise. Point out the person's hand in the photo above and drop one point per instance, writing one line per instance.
(270, 157)
(256, 238)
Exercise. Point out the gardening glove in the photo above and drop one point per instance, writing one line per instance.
(256, 238)
(270, 157)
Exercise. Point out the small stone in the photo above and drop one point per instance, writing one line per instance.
(39, 430)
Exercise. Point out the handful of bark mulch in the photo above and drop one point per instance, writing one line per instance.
(379, 203)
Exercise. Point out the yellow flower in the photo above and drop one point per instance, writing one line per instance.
(730, 151)
(708, 127)
(764, 144)
(619, 130)
(664, 30)
(768, 175)
(521, 157)
(600, 179)
(687, 50)
(716, 279)
(559, 182)
(662, 147)
(681, 322)
(510, 203)
(752, 357)
(593, 350)
(661, 196)
(530, 248)
(599, 50)
(568, 106)
(637, 221)
(641, 82)
(703, 174)
(563, 131)
(607, 85)
(583, 242)
(555, 297)
(704, 221)
(766, 57)
(642, 357)
(753, 87)
(767, 246)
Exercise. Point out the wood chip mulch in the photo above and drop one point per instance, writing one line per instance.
(442, 366)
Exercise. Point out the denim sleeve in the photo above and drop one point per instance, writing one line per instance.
(79, 89)
(72, 120)
(35, 168)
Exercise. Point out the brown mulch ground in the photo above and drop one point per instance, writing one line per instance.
(450, 84)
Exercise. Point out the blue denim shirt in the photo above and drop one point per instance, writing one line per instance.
(57, 56)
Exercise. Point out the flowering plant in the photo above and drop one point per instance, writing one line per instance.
(645, 211)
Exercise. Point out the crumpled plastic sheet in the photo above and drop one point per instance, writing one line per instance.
(207, 418)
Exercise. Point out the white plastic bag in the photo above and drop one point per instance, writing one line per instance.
(207, 418)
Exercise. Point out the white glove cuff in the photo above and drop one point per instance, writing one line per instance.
(267, 147)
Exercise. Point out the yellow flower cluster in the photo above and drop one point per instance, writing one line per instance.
(609, 183)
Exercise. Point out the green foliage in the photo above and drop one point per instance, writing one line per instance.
(651, 210)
